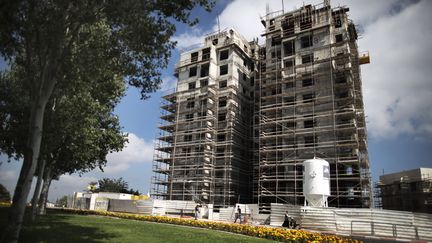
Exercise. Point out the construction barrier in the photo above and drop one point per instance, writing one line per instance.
(357, 221)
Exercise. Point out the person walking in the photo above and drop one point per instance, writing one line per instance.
(286, 222)
(196, 211)
(238, 215)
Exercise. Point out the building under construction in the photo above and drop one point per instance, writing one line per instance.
(309, 104)
(406, 190)
(204, 151)
(244, 117)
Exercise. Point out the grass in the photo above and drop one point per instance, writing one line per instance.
(56, 227)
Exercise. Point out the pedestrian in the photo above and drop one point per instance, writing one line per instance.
(196, 211)
(294, 224)
(286, 222)
(238, 215)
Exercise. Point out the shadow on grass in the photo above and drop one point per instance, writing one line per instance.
(55, 227)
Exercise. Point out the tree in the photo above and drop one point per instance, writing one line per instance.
(4, 194)
(93, 186)
(82, 141)
(14, 106)
(80, 129)
(62, 202)
(133, 192)
(115, 185)
(112, 185)
(38, 37)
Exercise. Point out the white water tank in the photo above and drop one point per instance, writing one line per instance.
(316, 182)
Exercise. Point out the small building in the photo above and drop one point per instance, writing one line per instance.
(87, 200)
(50, 205)
(406, 190)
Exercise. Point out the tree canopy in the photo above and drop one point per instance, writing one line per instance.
(14, 113)
(80, 128)
(40, 34)
(42, 40)
(62, 202)
(115, 185)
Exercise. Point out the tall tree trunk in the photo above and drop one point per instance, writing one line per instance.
(44, 193)
(31, 154)
(17, 211)
(37, 190)
(41, 92)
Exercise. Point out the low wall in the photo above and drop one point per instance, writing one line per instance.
(357, 221)
(82, 203)
(118, 205)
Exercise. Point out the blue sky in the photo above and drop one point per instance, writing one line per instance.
(397, 89)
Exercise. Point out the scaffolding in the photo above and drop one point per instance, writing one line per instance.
(203, 150)
(244, 117)
(310, 105)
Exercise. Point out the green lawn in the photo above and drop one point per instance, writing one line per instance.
(56, 227)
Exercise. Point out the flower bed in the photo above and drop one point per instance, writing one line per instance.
(278, 234)
(5, 204)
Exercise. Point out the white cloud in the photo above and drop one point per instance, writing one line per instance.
(366, 11)
(8, 175)
(244, 16)
(193, 37)
(249, 25)
(67, 184)
(168, 84)
(136, 151)
(397, 86)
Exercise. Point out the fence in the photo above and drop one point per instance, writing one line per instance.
(118, 205)
(358, 221)
(82, 203)
(343, 221)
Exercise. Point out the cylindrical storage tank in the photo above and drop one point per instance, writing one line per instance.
(316, 182)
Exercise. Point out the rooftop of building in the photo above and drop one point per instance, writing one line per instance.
(209, 38)
(323, 6)
(417, 174)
